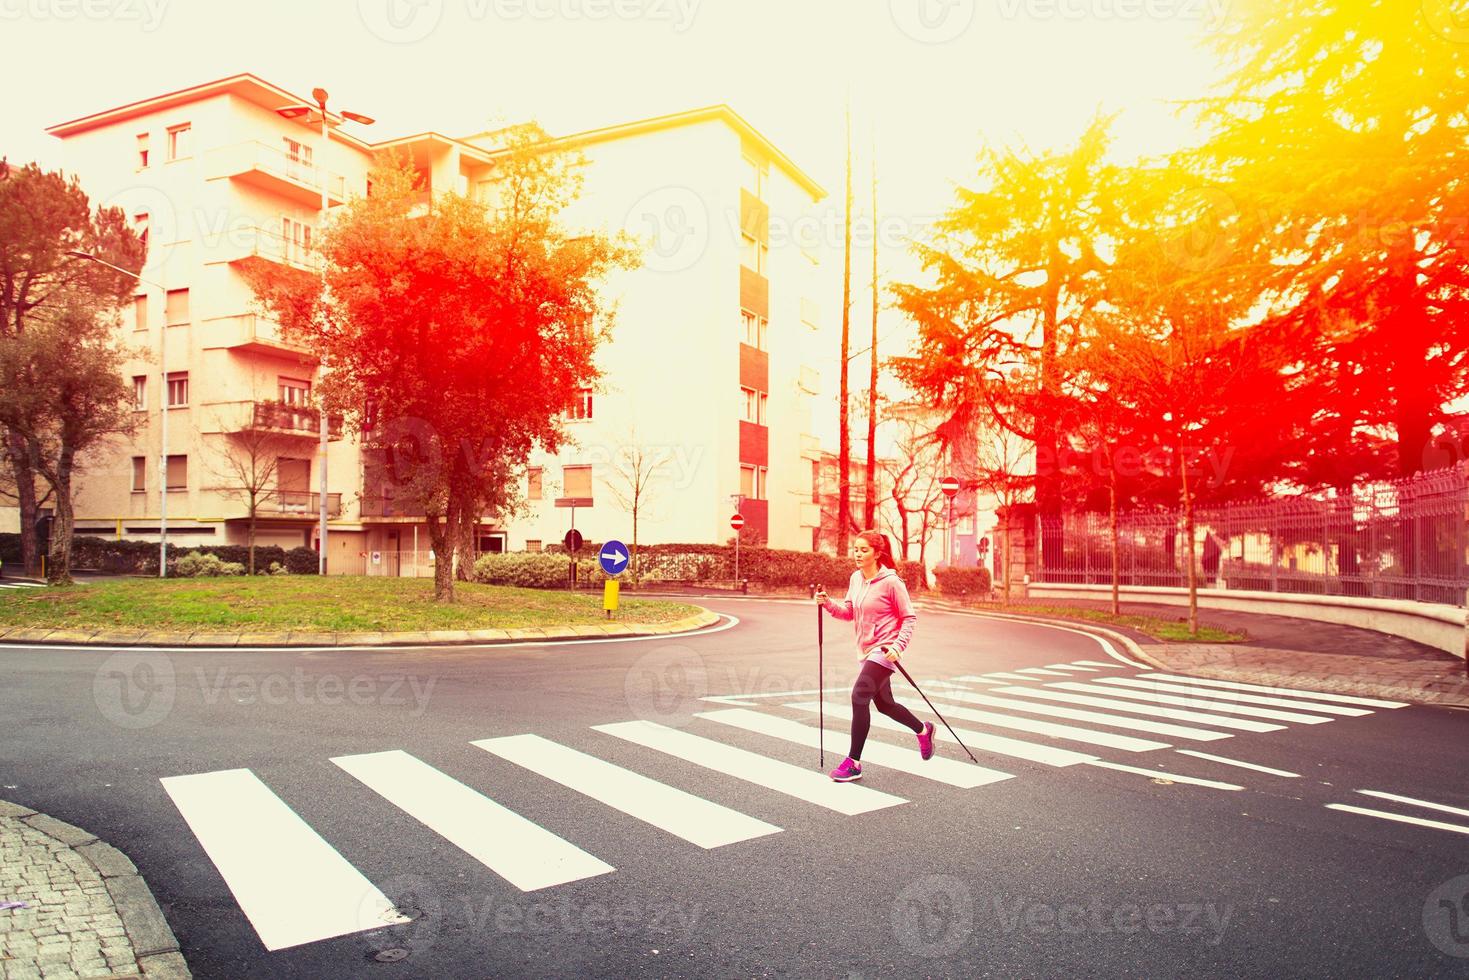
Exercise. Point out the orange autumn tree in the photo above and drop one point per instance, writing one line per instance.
(455, 334)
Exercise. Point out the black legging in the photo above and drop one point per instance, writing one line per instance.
(875, 683)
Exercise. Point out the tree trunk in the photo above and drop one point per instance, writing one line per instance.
(1116, 557)
(869, 509)
(1188, 534)
(464, 552)
(441, 538)
(58, 563)
(18, 451)
(633, 559)
(250, 534)
(844, 423)
(1005, 561)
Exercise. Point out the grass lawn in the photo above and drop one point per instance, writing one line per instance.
(1172, 631)
(306, 603)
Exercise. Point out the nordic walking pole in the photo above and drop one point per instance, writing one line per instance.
(900, 666)
(820, 683)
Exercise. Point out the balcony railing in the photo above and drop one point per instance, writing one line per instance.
(254, 242)
(294, 502)
(380, 505)
(275, 169)
(249, 331)
(294, 419)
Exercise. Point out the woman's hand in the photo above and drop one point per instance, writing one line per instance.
(819, 595)
(892, 654)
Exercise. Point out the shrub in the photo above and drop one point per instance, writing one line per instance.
(301, 561)
(771, 567)
(963, 581)
(276, 568)
(533, 571)
(196, 565)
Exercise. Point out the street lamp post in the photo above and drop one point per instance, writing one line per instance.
(294, 112)
(162, 410)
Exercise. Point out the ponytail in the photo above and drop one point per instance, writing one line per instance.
(884, 549)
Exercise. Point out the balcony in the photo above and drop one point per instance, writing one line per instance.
(252, 333)
(298, 503)
(267, 416)
(381, 505)
(256, 244)
(272, 169)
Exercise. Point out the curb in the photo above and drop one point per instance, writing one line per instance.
(29, 636)
(153, 942)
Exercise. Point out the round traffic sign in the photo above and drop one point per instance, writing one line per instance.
(613, 557)
(572, 541)
(737, 522)
(949, 485)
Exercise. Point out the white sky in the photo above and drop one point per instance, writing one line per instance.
(934, 80)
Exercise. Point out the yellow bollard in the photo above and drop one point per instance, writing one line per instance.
(609, 596)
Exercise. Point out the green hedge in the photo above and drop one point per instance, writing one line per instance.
(141, 557)
(769, 567)
(533, 571)
(963, 581)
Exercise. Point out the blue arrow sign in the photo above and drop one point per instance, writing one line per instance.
(613, 557)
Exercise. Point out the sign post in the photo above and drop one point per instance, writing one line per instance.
(573, 537)
(950, 486)
(737, 522)
(613, 559)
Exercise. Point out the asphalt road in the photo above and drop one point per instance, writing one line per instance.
(1053, 864)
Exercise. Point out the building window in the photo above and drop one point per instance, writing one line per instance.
(176, 307)
(533, 483)
(140, 228)
(753, 405)
(754, 176)
(180, 142)
(576, 481)
(293, 391)
(297, 240)
(140, 392)
(140, 474)
(140, 313)
(533, 544)
(582, 407)
(752, 482)
(753, 254)
(178, 472)
(754, 329)
(178, 389)
(142, 151)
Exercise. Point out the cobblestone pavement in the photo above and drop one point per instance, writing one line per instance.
(86, 914)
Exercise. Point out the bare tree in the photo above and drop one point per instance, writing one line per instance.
(869, 505)
(913, 476)
(844, 409)
(1000, 458)
(632, 473)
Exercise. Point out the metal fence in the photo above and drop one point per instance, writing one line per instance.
(1400, 540)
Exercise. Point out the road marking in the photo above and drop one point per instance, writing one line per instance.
(1092, 670)
(291, 884)
(695, 819)
(1001, 676)
(1399, 817)
(975, 679)
(998, 744)
(1408, 799)
(1266, 689)
(746, 698)
(1176, 714)
(1102, 663)
(1171, 777)
(523, 853)
(965, 775)
(1165, 688)
(1236, 762)
(1274, 714)
(1041, 670)
(1127, 743)
(813, 787)
(1095, 717)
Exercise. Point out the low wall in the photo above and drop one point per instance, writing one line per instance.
(1438, 626)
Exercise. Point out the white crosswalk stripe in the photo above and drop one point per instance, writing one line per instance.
(976, 741)
(1216, 694)
(1041, 670)
(1070, 733)
(518, 850)
(682, 814)
(1002, 676)
(1273, 714)
(1072, 667)
(1219, 721)
(803, 784)
(1093, 717)
(291, 884)
(1267, 689)
(1099, 663)
(965, 775)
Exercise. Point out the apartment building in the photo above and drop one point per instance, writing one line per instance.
(708, 371)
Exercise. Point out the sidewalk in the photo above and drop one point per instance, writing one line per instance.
(422, 638)
(85, 910)
(1283, 652)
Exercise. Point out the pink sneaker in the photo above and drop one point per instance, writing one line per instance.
(847, 771)
(925, 741)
